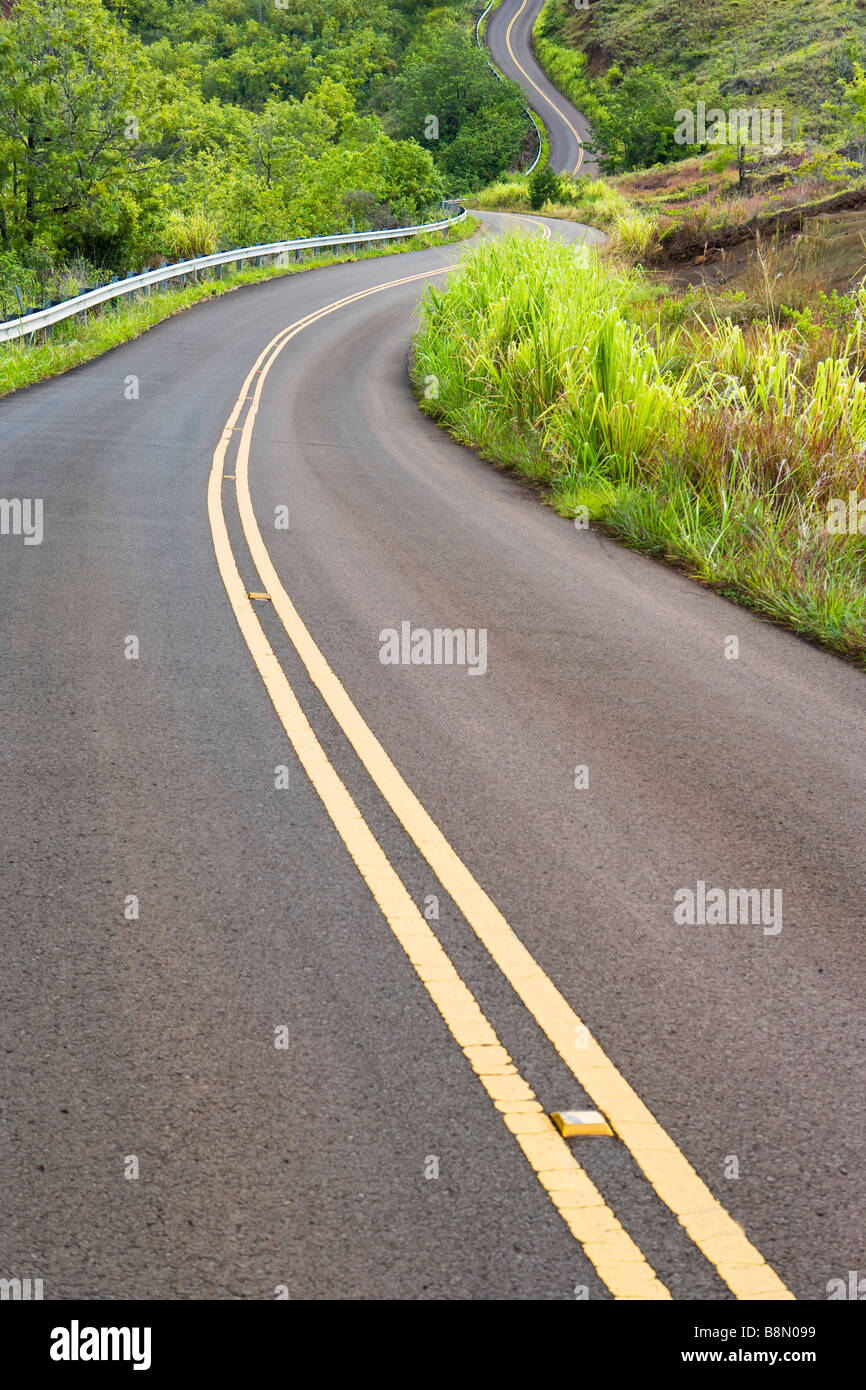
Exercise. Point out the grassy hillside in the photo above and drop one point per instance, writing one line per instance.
(781, 53)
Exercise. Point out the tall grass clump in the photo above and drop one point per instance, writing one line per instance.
(505, 195)
(635, 234)
(190, 234)
(722, 449)
(594, 202)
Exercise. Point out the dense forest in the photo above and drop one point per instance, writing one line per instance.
(138, 129)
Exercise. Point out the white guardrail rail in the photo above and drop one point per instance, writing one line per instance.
(27, 324)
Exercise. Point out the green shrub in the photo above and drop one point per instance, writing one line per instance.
(543, 187)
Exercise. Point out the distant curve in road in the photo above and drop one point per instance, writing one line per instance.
(508, 37)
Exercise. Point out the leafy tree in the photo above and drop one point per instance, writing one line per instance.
(852, 106)
(398, 174)
(72, 85)
(634, 125)
(476, 156)
(543, 187)
(448, 99)
(404, 177)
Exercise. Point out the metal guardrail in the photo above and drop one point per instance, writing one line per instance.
(530, 113)
(27, 324)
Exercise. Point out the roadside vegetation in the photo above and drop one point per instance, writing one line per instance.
(593, 202)
(632, 67)
(136, 132)
(726, 438)
(630, 64)
(80, 339)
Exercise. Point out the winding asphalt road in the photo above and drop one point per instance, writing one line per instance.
(309, 1098)
(508, 36)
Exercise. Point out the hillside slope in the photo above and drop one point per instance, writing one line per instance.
(785, 53)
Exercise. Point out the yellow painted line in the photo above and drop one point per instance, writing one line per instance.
(545, 231)
(619, 1262)
(722, 1241)
(542, 94)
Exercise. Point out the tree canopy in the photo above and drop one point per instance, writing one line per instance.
(131, 127)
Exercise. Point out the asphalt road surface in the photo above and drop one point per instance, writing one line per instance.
(508, 36)
(201, 988)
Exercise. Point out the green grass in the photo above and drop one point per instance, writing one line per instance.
(594, 202)
(83, 337)
(713, 446)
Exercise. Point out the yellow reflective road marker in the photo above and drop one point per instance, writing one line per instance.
(542, 94)
(574, 1124)
(619, 1262)
(715, 1233)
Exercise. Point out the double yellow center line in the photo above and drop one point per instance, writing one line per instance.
(619, 1262)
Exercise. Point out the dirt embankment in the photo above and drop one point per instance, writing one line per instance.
(834, 230)
(787, 222)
